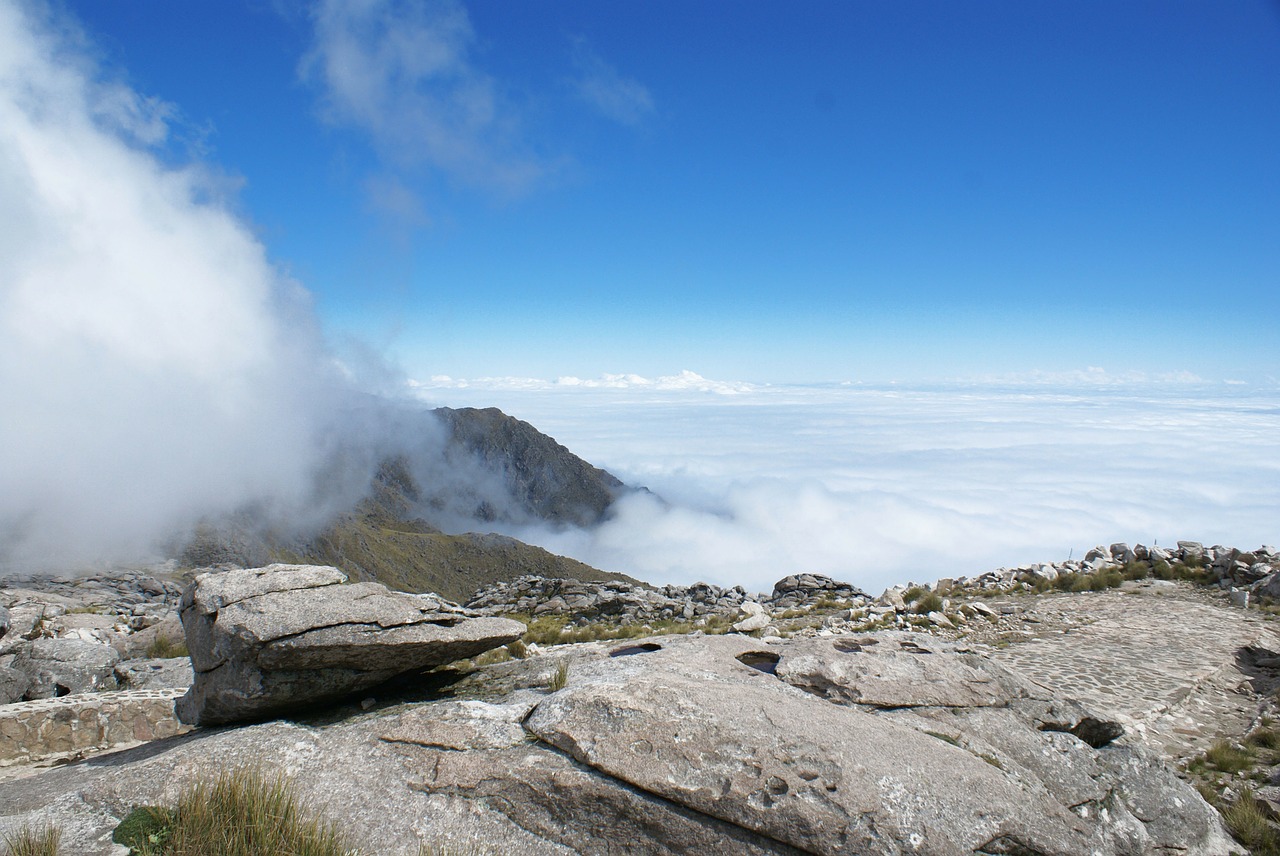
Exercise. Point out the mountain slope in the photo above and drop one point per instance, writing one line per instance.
(543, 478)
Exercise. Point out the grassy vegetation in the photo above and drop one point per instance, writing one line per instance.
(164, 648)
(518, 649)
(558, 630)
(30, 841)
(1110, 577)
(1227, 769)
(241, 812)
(561, 677)
(927, 603)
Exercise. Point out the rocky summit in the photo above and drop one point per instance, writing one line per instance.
(269, 640)
(1052, 709)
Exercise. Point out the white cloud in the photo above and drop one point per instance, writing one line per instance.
(879, 485)
(155, 366)
(402, 73)
(622, 99)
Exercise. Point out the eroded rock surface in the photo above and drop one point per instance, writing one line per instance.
(914, 747)
(268, 640)
(675, 745)
(870, 744)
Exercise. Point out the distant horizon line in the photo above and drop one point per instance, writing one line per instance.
(690, 381)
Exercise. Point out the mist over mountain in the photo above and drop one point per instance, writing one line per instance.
(435, 491)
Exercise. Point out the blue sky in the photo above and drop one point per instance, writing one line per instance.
(882, 290)
(758, 191)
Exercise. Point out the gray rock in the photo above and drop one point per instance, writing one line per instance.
(25, 623)
(940, 619)
(893, 670)
(715, 725)
(133, 646)
(155, 674)
(4, 620)
(1268, 586)
(892, 597)
(759, 621)
(1190, 548)
(269, 640)
(13, 684)
(57, 667)
(691, 744)
(1122, 553)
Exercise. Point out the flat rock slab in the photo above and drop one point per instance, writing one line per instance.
(1178, 667)
(974, 760)
(265, 641)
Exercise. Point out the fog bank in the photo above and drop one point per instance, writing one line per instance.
(155, 365)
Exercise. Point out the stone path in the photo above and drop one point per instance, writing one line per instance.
(1178, 667)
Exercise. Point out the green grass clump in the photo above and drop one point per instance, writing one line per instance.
(239, 813)
(927, 603)
(561, 677)
(165, 648)
(1265, 738)
(145, 830)
(1136, 571)
(1106, 579)
(1246, 818)
(1225, 758)
(547, 630)
(913, 594)
(33, 842)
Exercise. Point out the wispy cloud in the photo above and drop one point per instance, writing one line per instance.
(402, 73)
(880, 485)
(622, 99)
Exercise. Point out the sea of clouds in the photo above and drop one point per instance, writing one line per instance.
(879, 484)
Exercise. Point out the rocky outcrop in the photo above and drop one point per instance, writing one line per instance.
(890, 743)
(636, 603)
(1225, 566)
(268, 640)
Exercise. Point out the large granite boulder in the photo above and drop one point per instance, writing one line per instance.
(265, 641)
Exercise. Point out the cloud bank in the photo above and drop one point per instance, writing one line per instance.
(155, 366)
(880, 485)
